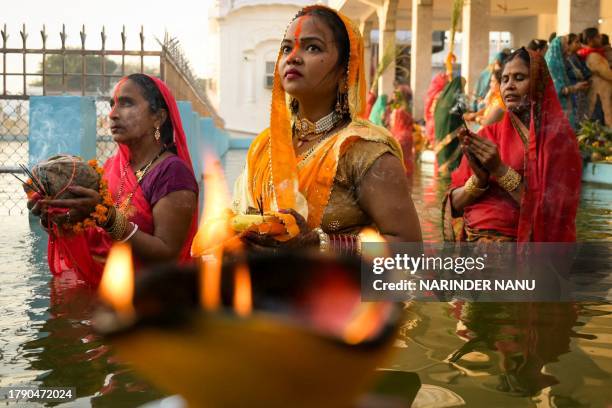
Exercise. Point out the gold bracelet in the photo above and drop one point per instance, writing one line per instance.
(119, 226)
(323, 240)
(472, 188)
(510, 181)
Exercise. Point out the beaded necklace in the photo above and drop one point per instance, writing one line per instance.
(306, 131)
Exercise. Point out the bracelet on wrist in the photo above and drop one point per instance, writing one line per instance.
(346, 244)
(510, 181)
(471, 187)
(131, 234)
(323, 240)
(118, 227)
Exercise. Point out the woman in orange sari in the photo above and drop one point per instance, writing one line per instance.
(493, 110)
(519, 179)
(331, 171)
(153, 191)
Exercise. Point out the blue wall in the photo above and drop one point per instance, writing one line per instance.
(62, 124)
(67, 124)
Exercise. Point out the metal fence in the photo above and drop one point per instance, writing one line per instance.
(77, 71)
(14, 132)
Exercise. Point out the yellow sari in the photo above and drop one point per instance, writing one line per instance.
(275, 176)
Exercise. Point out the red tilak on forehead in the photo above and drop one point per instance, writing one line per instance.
(298, 31)
(115, 96)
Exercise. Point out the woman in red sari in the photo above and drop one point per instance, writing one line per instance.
(400, 124)
(519, 179)
(435, 89)
(150, 179)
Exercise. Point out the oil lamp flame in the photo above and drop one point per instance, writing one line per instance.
(243, 298)
(214, 225)
(117, 284)
(210, 281)
(212, 232)
(370, 235)
(366, 323)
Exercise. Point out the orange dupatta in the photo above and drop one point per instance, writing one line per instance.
(272, 166)
(275, 177)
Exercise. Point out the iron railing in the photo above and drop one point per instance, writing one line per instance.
(79, 71)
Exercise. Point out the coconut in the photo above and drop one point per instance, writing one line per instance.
(59, 172)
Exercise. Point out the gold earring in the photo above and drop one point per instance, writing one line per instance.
(341, 102)
(157, 135)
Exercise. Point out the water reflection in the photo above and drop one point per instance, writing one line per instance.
(70, 354)
(522, 355)
(512, 354)
(525, 337)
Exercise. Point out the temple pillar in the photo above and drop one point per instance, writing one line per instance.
(420, 54)
(573, 16)
(366, 30)
(386, 42)
(475, 41)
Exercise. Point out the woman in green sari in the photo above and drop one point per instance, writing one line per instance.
(448, 119)
(556, 60)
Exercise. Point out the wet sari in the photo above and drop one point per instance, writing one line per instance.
(84, 254)
(448, 119)
(546, 155)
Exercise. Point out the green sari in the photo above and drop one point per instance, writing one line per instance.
(447, 119)
(377, 115)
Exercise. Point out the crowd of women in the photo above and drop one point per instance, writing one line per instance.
(328, 172)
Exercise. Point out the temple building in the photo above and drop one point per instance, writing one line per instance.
(246, 35)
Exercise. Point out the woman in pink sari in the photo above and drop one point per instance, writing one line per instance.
(150, 179)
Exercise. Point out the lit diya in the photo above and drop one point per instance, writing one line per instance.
(281, 330)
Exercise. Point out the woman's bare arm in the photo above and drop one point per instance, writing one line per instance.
(385, 196)
(172, 217)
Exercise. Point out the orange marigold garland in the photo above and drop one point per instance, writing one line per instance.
(100, 213)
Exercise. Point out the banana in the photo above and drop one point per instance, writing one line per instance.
(243, 222)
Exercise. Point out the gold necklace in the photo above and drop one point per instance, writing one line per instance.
(140, 173)
(307, 131)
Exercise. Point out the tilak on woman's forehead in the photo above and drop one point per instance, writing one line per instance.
(298, 31)
(116, 95)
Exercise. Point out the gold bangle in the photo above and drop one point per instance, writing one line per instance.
(323, 240)
(119, 226)
(472, 188)
(510, 181)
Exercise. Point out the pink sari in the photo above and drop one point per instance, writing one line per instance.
(84, 254)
